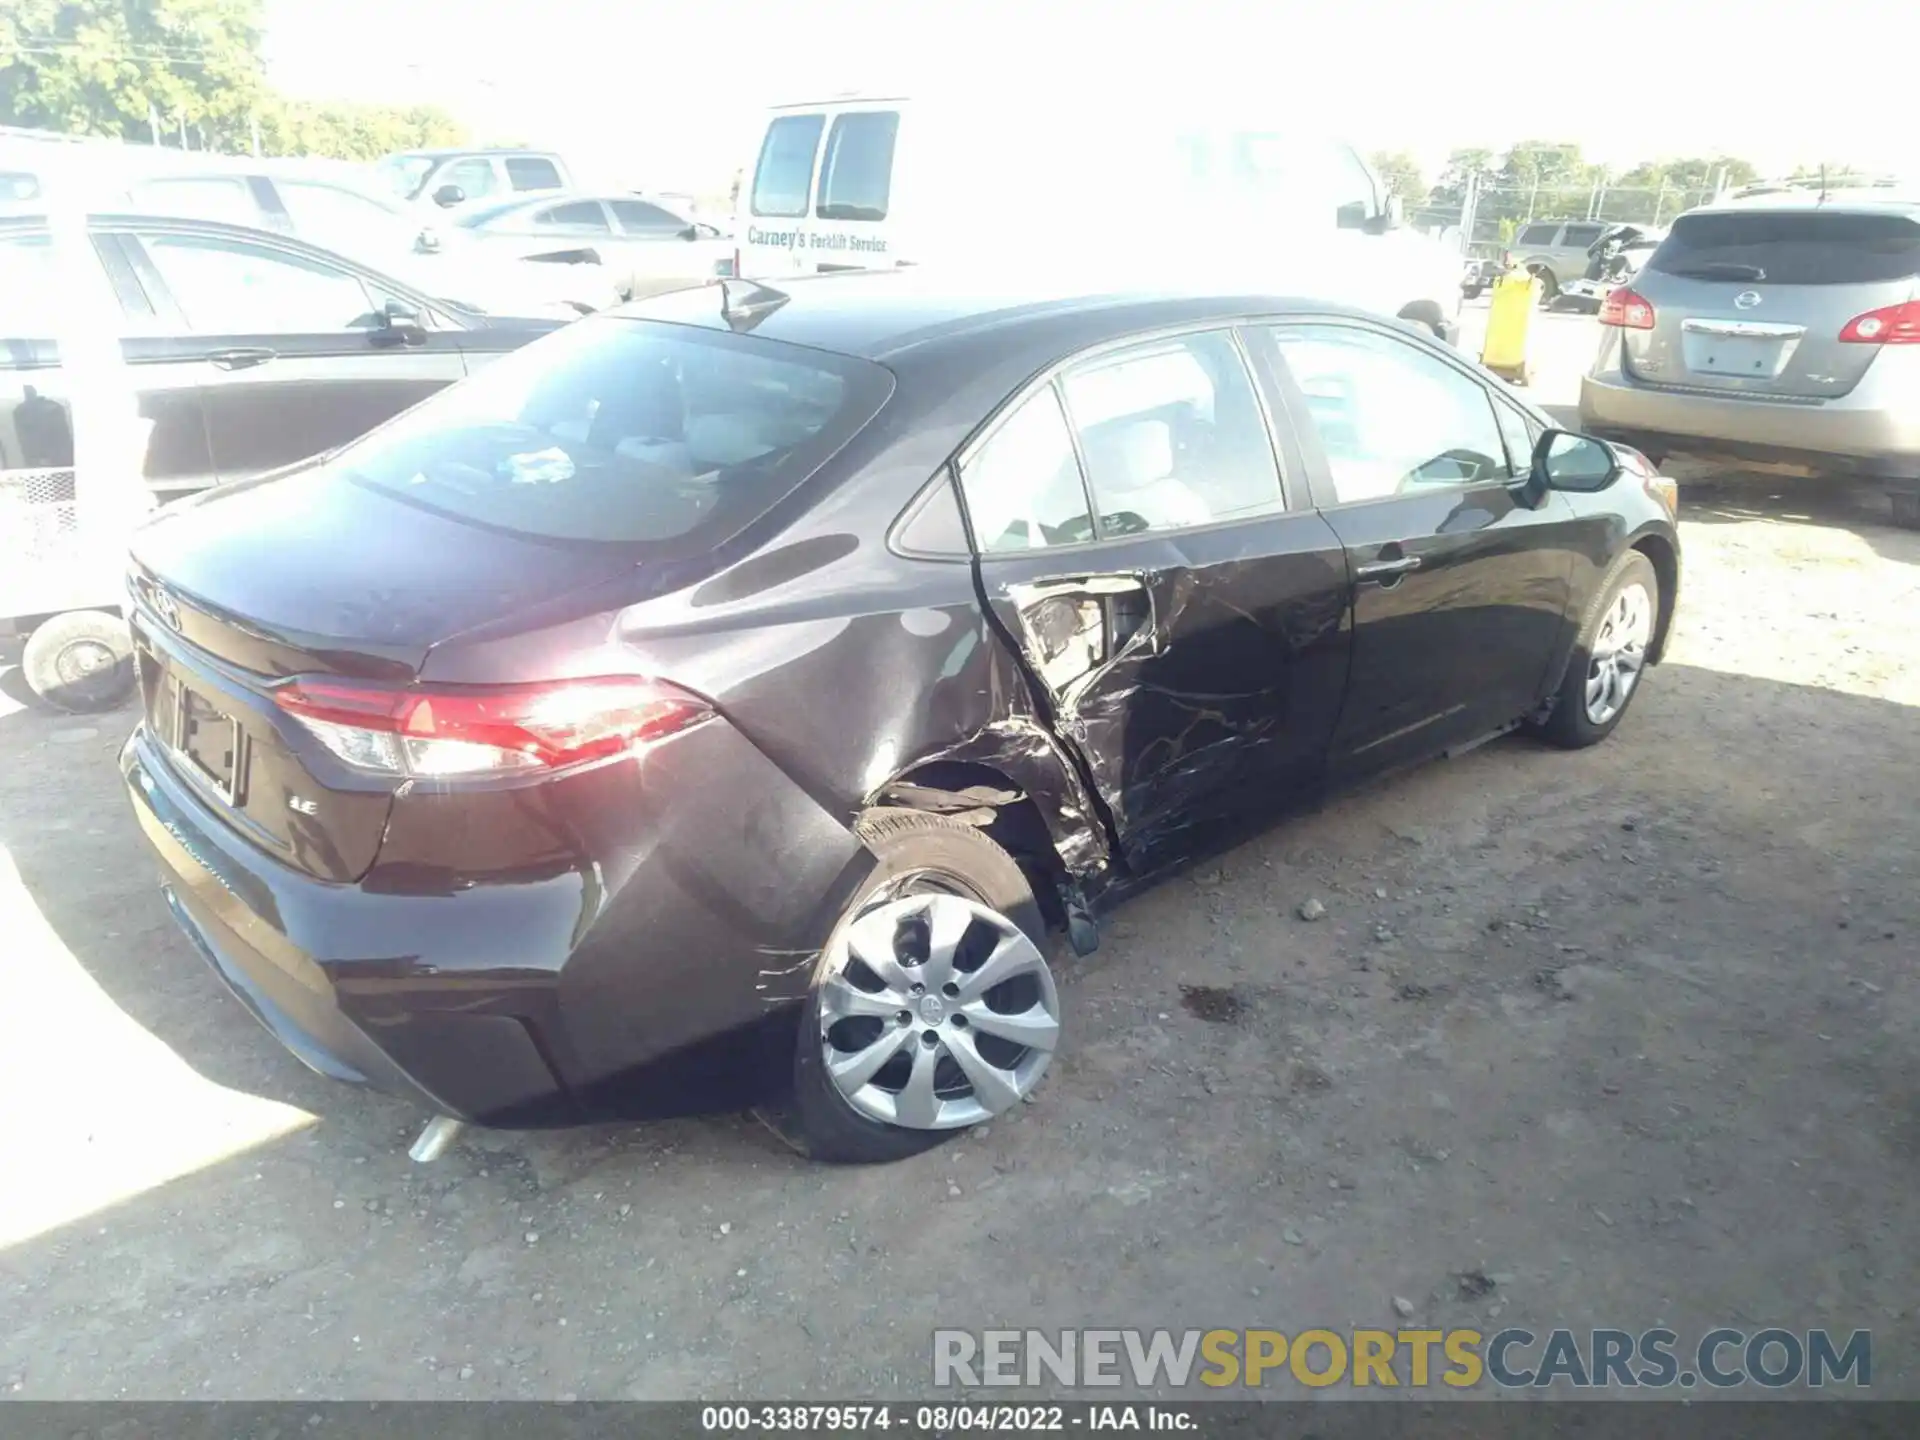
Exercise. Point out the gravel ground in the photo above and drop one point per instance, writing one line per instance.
(1626, 1037)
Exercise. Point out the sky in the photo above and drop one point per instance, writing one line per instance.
(666, 95)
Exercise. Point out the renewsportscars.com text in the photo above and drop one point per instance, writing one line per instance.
(1772, 1358)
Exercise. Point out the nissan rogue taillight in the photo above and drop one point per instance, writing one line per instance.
(1890, 325)
(1627, 310)
(472, 731)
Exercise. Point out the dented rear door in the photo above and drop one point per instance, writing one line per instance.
(1196, 668)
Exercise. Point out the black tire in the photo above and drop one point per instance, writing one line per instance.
(1906, 507)
(1549, 287)
(911, 845)
(1567, 724)
(1474, 292)
(80, 661)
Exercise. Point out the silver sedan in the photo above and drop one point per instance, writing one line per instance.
(643, 246)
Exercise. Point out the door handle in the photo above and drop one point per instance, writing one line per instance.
(240, 359)
(1386, 572)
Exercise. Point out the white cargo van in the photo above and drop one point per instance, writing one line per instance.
(1116, 188)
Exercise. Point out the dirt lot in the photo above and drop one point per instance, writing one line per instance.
(1634, 1034)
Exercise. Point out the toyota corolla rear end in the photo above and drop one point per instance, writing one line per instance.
(1786, 332)
(539, 894)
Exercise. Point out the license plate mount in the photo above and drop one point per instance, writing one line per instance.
(208, 739)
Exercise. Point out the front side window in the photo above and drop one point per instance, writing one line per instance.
(474, 178)
(1023, 485)
(636, 217)
(659, 437)
(234, 287)
(30, 289)
(530, 172)
(1521, 434)
(1581, 235)
(579, 215)
(1173, 435)
(783, 178)
(1391, 418)
(856, 173)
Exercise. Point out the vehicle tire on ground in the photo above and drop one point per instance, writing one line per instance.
(1609, 658)
(1549, 287)
(1906, 507)
(932, 1006)
(80, 661)
(1473, 292)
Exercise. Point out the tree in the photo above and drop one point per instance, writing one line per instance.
(1401, 174)
(352, 132)
(102, 67)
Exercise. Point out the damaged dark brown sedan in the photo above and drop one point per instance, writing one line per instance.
(722, 700)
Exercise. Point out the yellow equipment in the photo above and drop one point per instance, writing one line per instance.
(1516, 295)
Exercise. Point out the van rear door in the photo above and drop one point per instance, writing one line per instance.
(821, 191)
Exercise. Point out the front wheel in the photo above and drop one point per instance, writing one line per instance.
(933, 1007)
(1608, 659)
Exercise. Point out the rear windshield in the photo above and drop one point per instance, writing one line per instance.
(1791, 247)
(663, 437)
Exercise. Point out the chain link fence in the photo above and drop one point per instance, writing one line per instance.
(1487, 221)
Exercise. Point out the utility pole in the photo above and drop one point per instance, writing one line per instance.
(1533, 195)
(253, 130)
(1469, 204)
(153, 124)
(1661, 203)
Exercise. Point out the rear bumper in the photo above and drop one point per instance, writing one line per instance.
(636, 983)
(1865, 433)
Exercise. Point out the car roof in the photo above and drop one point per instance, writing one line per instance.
(1844, 202)
(912, 316)
(444, 152)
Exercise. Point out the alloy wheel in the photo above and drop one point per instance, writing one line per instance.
(1619, 653)
(936, 1012)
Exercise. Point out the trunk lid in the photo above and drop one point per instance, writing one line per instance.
(311, 574)
(1752, 301)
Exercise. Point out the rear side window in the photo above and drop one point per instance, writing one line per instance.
(856, 174)
(1791, 247)
(1582, 235)
(783, 178)
(661, 438)
(529, 172)
(1537, 235)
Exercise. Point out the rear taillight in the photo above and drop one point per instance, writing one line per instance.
(1629, 311)
(1891, 325)
(473, 731)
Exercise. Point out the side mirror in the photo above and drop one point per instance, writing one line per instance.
(447, 196)
(1391, 218)
(399, 324)
(1579, 463)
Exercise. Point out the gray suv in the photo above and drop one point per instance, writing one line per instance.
(1555, 251)
(1783, 330)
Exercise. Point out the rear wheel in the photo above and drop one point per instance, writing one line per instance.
(1609, 658)
(1906, 507)
(1549, 287)
(933, 1008)
(80, 661)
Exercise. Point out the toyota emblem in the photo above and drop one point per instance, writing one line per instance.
(1747, 299)
(164, 607)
